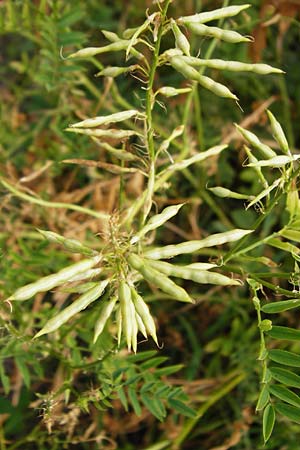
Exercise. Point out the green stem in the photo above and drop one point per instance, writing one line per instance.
(41, 202)
(213, 398)
(150, 100)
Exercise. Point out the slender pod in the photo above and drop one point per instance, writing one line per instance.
(119, 324)
(141, 325)
(87, 275)
(193, 246)
(51, 281)
(217, 33)
(116, 71)
(138, 31)
(121, 44)
(159, 280)
(169, 91)
(222, 192)
(123, 155)
(105, 313)
(265, 150)
(143, 311)
(201, 266)
(110, 133)
(166, 143)
(111, 36)
(73, 245)
(192, 74)
(279, 134)
(214, 151)
(135, 328)
(126, 310)
(233, 66)
(180, 39)
(78, 305)
(276, 162)
(104, 120)
(216, 14)
(156, 221)
(196, 275)
(264, 193)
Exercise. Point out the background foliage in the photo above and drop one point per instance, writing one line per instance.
(209, 351)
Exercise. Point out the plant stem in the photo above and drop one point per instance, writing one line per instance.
(41, 202)
(214, 398)
(149, 118)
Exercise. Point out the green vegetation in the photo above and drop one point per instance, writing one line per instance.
(133, 208)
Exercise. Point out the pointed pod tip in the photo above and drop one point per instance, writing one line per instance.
(40, 333)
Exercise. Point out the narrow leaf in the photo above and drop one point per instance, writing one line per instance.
(285, 394)
(182, 408)
(268, 422)
(288, 411)
(152, 404)
(276, 307)
(263, 398)
(285, 377)
(287, 333)
(284, 357)
(132, 395)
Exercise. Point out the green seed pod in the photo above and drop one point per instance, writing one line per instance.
(233, 66)
(166, 143)
(110, 36)
(190, 73)
(110, 133)
(145, 315)
(170, 53)
(201, 266)
(73, 245)
(88, 274)
(180, 39)
(276, 162)
(104, 120)
(214, 151)
(264, 193)
(217, 33)
(265, 150)
(123, 155)
(156, 221)
(105, 314)
(134, 327)
(156, 278)
(169, 91)
(193, 246)
(116, 71)
(150, 19)
(92, 51)
(187, 273)
(253, 159)
(141, 325)
(78, 305)
(51, 281)
(216, 14)
(279, 134)
(129, 32)
(222, 192)
(119, 324)
(126, 311)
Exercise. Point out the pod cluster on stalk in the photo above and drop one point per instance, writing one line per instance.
(113, 279)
